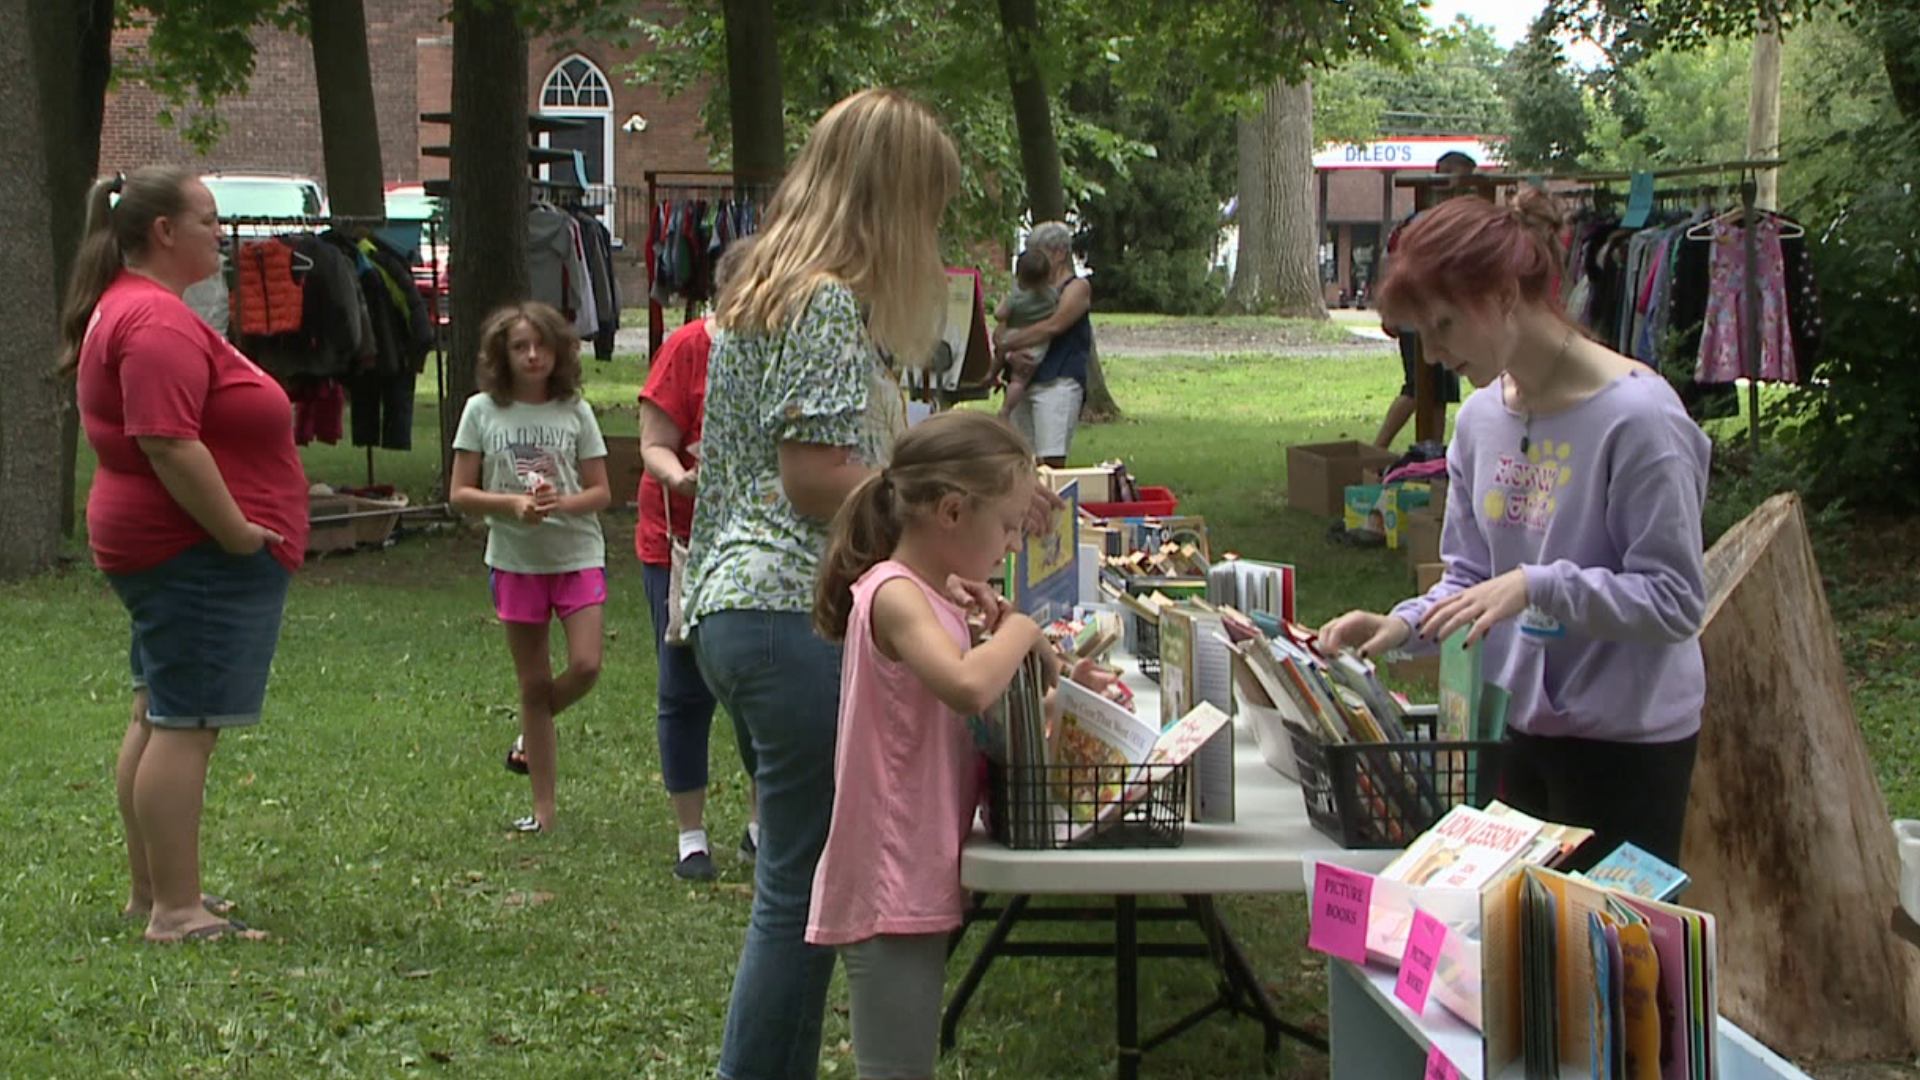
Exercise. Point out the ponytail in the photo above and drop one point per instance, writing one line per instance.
(969, 453)
(113, 234)
(865, 531)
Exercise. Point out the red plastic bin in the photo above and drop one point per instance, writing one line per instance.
(1153, 502)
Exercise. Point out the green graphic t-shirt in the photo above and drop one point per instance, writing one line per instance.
(519, 444)
(821, 381)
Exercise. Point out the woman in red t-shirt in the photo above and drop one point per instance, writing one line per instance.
(197, 515)
(672, 407)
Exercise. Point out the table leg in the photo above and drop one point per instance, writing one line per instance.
(957, 1004)
(1126, 984)
(1241, 984)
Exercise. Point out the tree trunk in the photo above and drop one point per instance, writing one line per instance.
(1896, 27)
(1100, 407)
(488, 220)
(1763, 112)
(1040, 161)
(1788, 838)
(349, 122)
(1032, 114)
(754, 94)
(74, 45)
(1278, 267)
(30, 397)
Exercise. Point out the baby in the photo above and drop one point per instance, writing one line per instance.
(1032, 300)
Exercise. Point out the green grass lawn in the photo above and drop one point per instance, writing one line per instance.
(363, 822)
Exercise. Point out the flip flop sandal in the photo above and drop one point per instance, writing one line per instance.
(517, 758)
(528, 824)
(215, 905)
(216, 932)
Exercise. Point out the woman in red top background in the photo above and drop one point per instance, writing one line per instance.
(673, 404)
(197, 515)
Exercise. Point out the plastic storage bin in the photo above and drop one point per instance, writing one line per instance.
(1154, 502)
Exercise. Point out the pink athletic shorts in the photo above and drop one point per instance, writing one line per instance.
(536, 598)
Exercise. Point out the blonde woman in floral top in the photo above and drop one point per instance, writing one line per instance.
(801, 407)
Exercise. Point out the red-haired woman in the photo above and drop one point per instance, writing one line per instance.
(1572, 542)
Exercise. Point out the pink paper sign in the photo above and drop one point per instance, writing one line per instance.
(1416, 966)
(1341, 900)
(1438, 1067)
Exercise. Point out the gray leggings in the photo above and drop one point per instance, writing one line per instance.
(895, 982)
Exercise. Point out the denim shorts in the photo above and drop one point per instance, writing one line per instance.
(205, 624)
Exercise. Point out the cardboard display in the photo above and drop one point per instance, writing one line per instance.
(1318, 474)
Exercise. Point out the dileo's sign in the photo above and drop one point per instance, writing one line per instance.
(1417, 153)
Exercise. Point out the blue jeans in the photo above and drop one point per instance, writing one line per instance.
(685, 704)
(780, 680)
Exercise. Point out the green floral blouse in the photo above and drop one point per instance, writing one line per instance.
(821, 381)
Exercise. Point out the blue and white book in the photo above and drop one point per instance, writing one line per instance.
(1631, 870)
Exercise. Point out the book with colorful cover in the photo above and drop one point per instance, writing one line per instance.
(1098, 751)
(1459, 713)
(1464, 850)
(1631, 870)
(1043, 577)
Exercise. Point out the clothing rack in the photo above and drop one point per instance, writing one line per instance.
(360, 226)
(1429, 406)
(718, 185)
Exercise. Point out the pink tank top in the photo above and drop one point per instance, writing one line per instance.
(905, 789)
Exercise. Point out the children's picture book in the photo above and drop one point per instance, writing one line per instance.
(1464, 850)
(1097, 753)
(1631, 870)
(1188, 734)
(1044, 574)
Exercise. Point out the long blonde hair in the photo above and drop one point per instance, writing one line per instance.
(972, 453)
(115, 232)
(861, 206)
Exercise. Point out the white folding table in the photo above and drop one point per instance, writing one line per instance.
(1266, 849)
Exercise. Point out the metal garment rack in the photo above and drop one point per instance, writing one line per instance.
(720, 185)
(1430, 407)
(430, 243)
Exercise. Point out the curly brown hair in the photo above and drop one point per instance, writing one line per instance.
(555, 332)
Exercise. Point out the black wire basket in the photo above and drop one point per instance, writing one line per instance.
(1382, 795)
(1145, 645)
(1039, 807)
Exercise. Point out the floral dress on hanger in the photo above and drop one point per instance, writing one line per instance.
(1722, 344)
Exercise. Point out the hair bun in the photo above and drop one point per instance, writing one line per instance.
(1537, 209)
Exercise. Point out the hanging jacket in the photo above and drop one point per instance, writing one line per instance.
(268, 301)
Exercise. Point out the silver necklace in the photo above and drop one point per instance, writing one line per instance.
(1553, 367)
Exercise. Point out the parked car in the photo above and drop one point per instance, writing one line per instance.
(265, 195)
(408, 204)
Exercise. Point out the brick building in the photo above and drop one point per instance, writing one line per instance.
(1359, 204)
(624, 130)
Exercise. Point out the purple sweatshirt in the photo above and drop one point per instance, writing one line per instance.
(1603, 515)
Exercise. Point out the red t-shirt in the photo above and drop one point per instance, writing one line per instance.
(150, 367)
(677, 384)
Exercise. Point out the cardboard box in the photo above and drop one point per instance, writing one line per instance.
(1383, 508)
(1318, 474)
(1097, 484)
(1421, 673)
(623, 469)
(1422, 541)
(1427, 575)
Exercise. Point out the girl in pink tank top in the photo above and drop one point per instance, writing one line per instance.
(887, 889)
